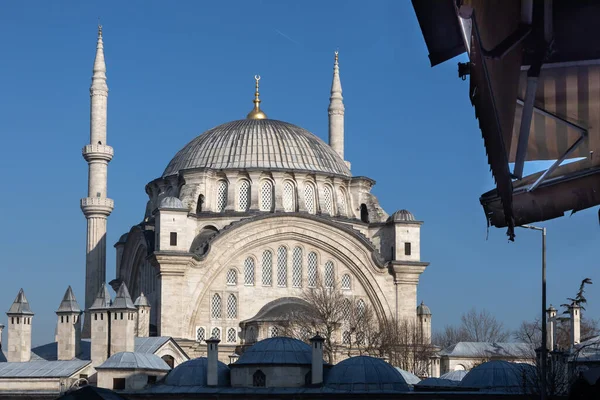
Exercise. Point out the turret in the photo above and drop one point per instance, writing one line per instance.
(69, 327)
(551, 330)
(99, 314)
(575, 311)
(96, 206)
(336, 112)
(143, 316)
(19, 329)
(316, 342)
(122, 322)
(424, 323)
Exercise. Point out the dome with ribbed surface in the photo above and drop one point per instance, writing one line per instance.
(193, 373)
(365, 374)
(402, 216)
(258, 144)
(277, 350)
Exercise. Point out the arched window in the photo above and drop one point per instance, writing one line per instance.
(364, 213)
(216, 333)
(346, 307)
(221, 196)
(346, 337)
(267, 268)
(249, 271)
(297, 267)
(273, 331)
(346, 282)
(312, 269)
(329, 276)
(360, 338)
(244, 195)
(342, 202)
(251, 335)
(309, 198)
(232, 277)
(328, 199)
(360, 308)
(282, 266)
(231, 306)
(200, 334)
(231, 335)
(199, 204)
(215, 307)
(289, 197)
(259, 379)
(266, 196)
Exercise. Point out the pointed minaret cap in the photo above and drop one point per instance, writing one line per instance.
(123, 300)
(20, 306)
(99, 77)
(69, 305)
(142, 301)
(102, 301)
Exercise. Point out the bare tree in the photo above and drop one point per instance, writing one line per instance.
(475, 326)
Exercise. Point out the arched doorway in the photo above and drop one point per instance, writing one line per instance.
(169, 360)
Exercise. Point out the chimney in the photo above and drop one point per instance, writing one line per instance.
(68, 336)
(19, 329)
(122, 322)
(99, 315)
(551, 327)
(212, 376)
(575, 311)
(143, 316)
(316, 343)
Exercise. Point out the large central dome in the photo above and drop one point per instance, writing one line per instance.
(258, 144)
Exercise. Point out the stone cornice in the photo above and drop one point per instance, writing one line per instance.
(171, 262)
(408, 272)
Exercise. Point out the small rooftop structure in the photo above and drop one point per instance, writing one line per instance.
(141, 301)
(422, 309)
(123, 299)
(193, 373)
(171, 202)
(103, 300)
(277, 350)
(20, 306)
(68, 303)
(402, 216)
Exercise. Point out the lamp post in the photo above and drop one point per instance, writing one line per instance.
(544, 356)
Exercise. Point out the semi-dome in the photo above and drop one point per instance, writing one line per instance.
(193, 373)
(402, 216)
(258, 144)
(131, 360)
(277, 350)
(171, 202)
(365, 374)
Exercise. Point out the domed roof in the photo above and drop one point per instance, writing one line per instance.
(193, 373)
(277, 350)
(258, 144)
(402, 216)
(454, 375)
(437, 382)
(409, 377)
(365, 373)
(422, 309)
(499, 375)
(171, 202)
(131, 360)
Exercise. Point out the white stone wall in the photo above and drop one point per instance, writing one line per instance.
(69, 336)
(134, 379)
(99, 336)
(122, 331)
(408, 233)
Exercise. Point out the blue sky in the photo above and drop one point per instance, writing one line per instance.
(176, 69)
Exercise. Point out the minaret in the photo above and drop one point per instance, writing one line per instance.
(424, 323)
(96, 207)
(575, 311)
(551, 331)
(69, 327)
(336, 112)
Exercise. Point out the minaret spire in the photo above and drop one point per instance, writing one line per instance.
(336, 111)
(97, 206)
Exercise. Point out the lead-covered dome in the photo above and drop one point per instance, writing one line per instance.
(277, 350)
(365, 374)
(258, 144)
(193, 373)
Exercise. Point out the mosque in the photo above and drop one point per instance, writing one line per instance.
(244, 218)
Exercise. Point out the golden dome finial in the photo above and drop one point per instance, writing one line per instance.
(256, 113)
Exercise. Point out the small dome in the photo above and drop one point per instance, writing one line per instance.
(277, 350)
(131, 360)
(551, 308)
(171, 202)
(500, 376)
(193, 373)
(365, 374)
(454, 375)
(422, 309)
(409, 377)
(402, 216)
(437, 382)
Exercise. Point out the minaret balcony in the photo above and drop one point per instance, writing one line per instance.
(92, 152)
(97, 206)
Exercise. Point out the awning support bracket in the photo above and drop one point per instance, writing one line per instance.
(509, 43)
(582, 135)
